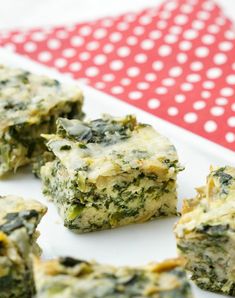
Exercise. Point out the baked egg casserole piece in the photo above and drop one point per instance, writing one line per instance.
(29, 106)
(18, 222)
(205, 232)
(110, 172)
(71, 278)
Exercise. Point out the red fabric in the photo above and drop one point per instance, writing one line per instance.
(176, 61)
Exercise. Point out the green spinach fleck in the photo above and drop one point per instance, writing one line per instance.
(107, 131)
(224, 178)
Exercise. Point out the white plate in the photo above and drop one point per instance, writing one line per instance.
(135, 244)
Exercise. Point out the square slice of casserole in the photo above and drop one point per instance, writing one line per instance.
(72, 278)
(29, 106)
(18, 222)
(110, 172)
(206, 232)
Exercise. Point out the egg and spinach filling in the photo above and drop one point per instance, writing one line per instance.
(71, 278)
(110, 172)
(29, 106)
(18, 235)
(206, 232)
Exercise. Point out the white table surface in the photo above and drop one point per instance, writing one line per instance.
(26, 13)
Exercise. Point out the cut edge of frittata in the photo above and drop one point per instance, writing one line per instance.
(110, 172)
(205, 232)
(76, 278)
(29, 106)
(18, 235)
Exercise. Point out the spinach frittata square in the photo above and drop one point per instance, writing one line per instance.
(29, 106)
(206, 232)
(72, 278)
(18, 235)
(110, 172)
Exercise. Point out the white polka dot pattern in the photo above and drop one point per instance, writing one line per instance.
(176, 61)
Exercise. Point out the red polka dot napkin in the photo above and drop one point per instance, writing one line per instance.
(176, 61)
